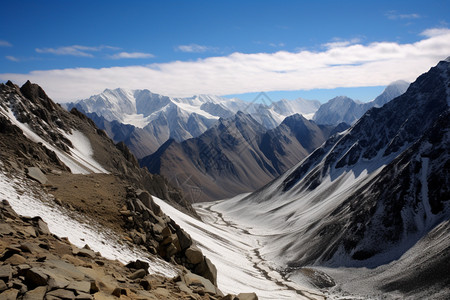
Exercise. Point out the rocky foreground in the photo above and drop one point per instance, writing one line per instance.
(34, 264)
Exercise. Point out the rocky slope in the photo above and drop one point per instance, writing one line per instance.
(366, 197)
(235, 156)
(56, 129)
(85, 172)
(34, 264)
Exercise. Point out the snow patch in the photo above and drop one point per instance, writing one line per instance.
(64, 223)
(79, 162)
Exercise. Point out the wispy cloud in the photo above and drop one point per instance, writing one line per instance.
(194, 48)
(338, 42)
(75, 50)
(394, 15)
(12, 58)
(131, 55)
(5, 43)
(353, 65)
(277, 45)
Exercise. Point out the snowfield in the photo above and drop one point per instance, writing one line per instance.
(235, 253)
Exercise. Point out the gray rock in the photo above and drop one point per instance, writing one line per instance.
(5, 273)
(194, 255)
(5, 229)
(119, 291)
(138, 274)
(138, 264)
(41, 226)
(247, 296)
(10, 251)
(10, 294)
(146, 284)
(28, 231)
(147, 200)
(63, 294)
(36, 174)
(184, 238)
(83, 252)
(194, 280)
(3, 286)
(35, 277)
(80, 286)
(207, 269)
(16, 260)
(30, 247)
(36, 294)
(17, 284)
(84, 296)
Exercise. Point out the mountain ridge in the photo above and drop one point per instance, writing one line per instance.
(366, 190)
(237, 155)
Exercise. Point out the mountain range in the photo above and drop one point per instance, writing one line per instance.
(236, 155)
(145, 120)
(343, 109)
(374, 195)
(72, 184)
(339, 212)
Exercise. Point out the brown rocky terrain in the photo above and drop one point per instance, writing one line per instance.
(34, 264)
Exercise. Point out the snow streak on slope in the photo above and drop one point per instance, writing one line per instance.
(354, 200)
(27, 199)
(80, 161)
(236, 256)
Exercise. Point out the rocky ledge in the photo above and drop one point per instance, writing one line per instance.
(34, 264)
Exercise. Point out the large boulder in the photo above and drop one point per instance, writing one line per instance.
(207, 269)
(194, 255)
(36, 174)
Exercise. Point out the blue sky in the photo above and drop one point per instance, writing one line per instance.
(77, 48)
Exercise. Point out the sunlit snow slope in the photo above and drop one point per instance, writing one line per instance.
(367, 195)
(235, 254)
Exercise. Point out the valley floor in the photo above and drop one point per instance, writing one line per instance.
(235, 252)
(409, 277)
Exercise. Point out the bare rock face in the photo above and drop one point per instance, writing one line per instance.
(151, 228)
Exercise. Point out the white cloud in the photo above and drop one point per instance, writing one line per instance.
(75, 50)
(194, 48)
(353, 65)
(5, 43)
(393, 15)
(12, 58)
(338, 42)
(131, 55)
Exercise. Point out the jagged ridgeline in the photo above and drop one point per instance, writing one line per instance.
(96, 180)
(54, 125)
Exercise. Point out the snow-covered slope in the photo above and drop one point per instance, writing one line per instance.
(155, 118)
(34, 128)
(72, 147)
(27, 200)
(343, 109)
(367, 195)
(235, 253)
